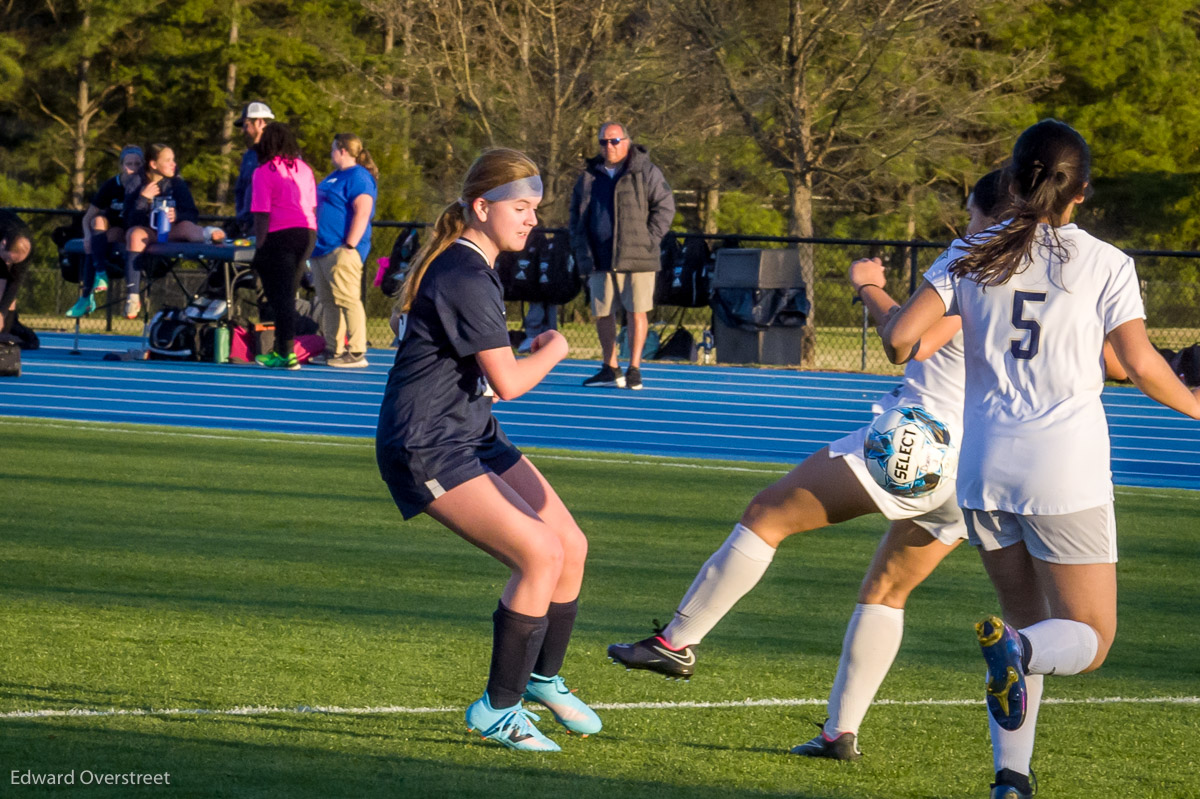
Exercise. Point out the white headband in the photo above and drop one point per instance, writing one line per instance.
(514, 190)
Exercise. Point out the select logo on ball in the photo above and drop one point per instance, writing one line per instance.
(907, 450)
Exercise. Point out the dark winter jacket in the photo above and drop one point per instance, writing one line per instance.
(643, 209)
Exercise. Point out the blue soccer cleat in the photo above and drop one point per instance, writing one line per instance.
(83, 307)
(568, 709)
(511, 726)
(1001, 647)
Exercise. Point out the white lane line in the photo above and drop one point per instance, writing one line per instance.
(335, 710)
(315, 440)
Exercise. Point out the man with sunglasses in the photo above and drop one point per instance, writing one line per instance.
(620, 210)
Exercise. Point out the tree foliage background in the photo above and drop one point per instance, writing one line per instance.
(808, 117)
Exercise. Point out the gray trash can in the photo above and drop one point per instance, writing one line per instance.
(759, 307)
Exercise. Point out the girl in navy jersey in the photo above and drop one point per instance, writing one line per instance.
(442, 452)
(160, 180)
(103, 225)
(1038, 299)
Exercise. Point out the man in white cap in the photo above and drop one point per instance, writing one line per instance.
(253, 121)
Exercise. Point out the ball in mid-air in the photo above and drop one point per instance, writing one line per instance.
(908, 450)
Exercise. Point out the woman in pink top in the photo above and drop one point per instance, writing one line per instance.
(284, 204)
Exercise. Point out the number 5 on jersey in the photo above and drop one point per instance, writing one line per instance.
(1019, 321)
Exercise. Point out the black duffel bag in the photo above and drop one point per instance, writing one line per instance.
(753, 310)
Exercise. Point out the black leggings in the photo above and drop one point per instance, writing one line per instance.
(278, 264)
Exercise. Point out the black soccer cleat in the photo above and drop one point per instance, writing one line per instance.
(843, 747)
(653, 654)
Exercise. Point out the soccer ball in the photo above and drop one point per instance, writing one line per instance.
(908, 450)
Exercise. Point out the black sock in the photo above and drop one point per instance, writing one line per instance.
(560, 621)
(516, 641)
(94, 264)
(1026, 652)
(1007, 776)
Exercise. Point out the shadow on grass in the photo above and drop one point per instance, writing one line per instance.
(221, 765)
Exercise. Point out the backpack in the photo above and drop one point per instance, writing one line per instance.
(679, 346)
(174, 336)
(685, 279)
(519, 271)
(542, 272)
(10, 356)
(559, 281)
(1185, 364)
(394, 269)
(70, 265)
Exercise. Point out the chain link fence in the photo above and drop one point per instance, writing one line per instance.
(844, 339)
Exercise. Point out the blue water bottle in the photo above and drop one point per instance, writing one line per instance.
(160, 220)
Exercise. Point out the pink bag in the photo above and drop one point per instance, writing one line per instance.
(306, 347)
(241, 346)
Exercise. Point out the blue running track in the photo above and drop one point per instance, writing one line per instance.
(704, 412)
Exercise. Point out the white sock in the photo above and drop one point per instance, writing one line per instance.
(1014, 749)
(725, 578)
(871, 643)
(1060, 646)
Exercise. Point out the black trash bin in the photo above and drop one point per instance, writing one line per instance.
(759, 306)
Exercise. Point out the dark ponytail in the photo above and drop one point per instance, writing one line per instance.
(1051, 166)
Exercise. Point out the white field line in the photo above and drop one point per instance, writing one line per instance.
(309, 440)
(334, 710)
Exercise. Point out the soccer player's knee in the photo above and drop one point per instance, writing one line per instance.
(548, 558)
(1104, 642)
(575, 547)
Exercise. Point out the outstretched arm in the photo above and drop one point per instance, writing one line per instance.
(1149, 372)
(509, 377)
(868, 279)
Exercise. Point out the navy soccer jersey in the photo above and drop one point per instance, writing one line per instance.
(110, 199)
(175, 190)
(436, 428)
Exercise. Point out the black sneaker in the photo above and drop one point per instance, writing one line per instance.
(653, 654)
(633, 378)
(843, 747)
(607, 377)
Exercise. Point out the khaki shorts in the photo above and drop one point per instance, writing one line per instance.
(635, 289)
(1086, 536)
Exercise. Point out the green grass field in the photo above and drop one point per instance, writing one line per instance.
(149, 570)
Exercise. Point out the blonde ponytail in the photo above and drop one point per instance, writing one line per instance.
(349, 143)
(450, 224)
(491, 169)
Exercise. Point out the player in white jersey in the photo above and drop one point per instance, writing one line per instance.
(831, 486)
(1038, 298)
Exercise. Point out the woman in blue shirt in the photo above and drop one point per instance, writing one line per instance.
(442, 452)
(345, 204)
